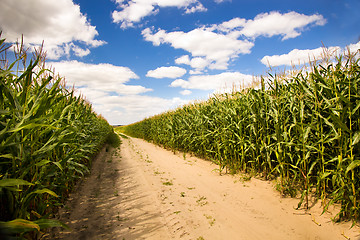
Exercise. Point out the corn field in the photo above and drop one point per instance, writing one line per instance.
(48, 137)
(302, 130)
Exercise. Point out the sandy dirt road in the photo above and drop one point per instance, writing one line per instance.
(142, 191)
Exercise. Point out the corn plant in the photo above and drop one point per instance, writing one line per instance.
(48, 137)
(301, 129)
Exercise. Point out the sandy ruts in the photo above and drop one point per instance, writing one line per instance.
(145, 192)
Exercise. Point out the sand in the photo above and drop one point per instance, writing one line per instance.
(142, 191)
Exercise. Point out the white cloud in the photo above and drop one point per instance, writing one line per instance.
(59, 23)
(194, 72)
(90, 94)
(185, 92)
(135, 10)
(197, 8)
(198, 63)
(288, 25)
(106, 87)
(129, 109)
(220, 1)
(180, 83)
(79, 51)
(213, 48)
(220, 82)
(297, 57)
(166, 72)
(231, 24)
(183, 60)
(98, 77)
(354, 47)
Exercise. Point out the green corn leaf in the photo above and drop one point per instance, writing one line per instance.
(311, 168)
(356, 108)
(31, 195)
(337, 120)
(44, 190)
(11, 182)
(46, 148)
(19, 226)
(28, 126)
(4, 112)
(9, 155)
(353, 165)
(325, 175)
(49, 223)
(42, 163)
(356, 138)
(58, 165)
(327, 122)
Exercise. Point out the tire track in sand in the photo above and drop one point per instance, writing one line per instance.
(146, 192)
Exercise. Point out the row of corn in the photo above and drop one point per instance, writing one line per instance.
(48, 137)
(302, 130)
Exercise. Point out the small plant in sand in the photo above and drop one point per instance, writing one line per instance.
(211, 219)
(202, 201)
(167, 183)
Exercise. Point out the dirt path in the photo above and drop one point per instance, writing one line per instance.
(146, 192)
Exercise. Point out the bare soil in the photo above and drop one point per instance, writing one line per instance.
(142, 191)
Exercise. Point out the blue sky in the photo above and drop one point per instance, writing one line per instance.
(134, 59)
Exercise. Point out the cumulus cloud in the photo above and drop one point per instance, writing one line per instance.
(129, 109)
(213, 50)
(193, 72)
(80, 52)
(185, 92)
(220, 1)
(180, 83)
(198, 63)
(231, 24)
(299, 57)
(196, 8)
(107, 87)
(216, 45)
(295, 57)
(287, 25)
(183, 60)
(135, 10)
(166, 72)
(354, 47)
(224, 81)
(98, 77)
(59, 23)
